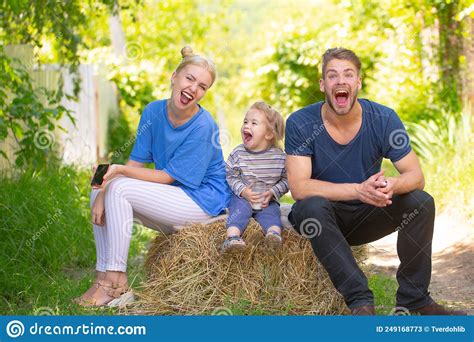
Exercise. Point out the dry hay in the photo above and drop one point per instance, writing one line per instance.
(186, 274)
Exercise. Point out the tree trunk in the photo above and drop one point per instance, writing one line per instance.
(468, 72)
(116, 32)
(450, 48)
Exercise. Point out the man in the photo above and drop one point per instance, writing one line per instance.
(335, 149)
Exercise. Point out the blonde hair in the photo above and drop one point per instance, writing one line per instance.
(190, 58)
(275, 121)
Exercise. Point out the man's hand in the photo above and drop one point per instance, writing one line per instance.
(252, 197)
(266, 198)
(388, 188)
(370, 191)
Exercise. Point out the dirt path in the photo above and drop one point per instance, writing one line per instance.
(452, 281)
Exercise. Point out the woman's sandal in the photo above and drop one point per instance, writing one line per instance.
(80, 300)
(121, 296)
(233, 245)
(273, 241)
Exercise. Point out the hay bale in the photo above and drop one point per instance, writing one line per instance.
(186, 274)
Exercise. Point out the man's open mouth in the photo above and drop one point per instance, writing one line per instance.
(342, 97)
(185, 98)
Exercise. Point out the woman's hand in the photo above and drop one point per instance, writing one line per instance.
(98, 209)
(113, 171)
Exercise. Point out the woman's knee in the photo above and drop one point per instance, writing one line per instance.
(117, 187)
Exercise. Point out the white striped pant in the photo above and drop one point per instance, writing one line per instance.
(127, 201)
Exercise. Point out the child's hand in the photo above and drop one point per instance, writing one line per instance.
(252, 197)
(266, 198)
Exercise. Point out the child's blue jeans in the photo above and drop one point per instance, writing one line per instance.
(240, 212)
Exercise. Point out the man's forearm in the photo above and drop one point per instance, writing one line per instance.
(408, 181)
(331, 191)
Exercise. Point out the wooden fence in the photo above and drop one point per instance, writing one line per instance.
(85, 142)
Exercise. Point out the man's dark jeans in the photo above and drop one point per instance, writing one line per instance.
(334, 226)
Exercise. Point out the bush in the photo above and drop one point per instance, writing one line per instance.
(446, 146)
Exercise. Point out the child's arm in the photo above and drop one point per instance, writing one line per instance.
(281, 187)
(234, 174)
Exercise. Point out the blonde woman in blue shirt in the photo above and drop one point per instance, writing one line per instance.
(187, 185)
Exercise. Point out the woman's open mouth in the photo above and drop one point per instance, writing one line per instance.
(185, 98)
(342, 98)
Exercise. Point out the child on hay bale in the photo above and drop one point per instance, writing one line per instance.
(257, 176)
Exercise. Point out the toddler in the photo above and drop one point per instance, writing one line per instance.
(257, 176)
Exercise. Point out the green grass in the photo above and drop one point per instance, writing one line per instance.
(47, 248)
(384, 289)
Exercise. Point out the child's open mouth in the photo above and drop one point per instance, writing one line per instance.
(342, 98)
(247, 137)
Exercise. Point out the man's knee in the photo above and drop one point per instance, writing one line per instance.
(311, 208)
(419, 200)
(314, 205)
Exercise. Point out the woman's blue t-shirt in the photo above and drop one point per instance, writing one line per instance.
(190, 153)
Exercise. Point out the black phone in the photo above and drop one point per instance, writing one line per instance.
(99, 174)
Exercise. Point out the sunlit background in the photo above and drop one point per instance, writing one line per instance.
(75, 76)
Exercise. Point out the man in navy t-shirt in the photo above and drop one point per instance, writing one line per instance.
(334, 154)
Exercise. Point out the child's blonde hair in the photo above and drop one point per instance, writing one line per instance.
(190, 58)
(275, 121)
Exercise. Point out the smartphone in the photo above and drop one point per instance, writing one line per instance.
(99, 174)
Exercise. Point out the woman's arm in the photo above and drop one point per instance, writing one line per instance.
(137, 172)
(134, 163)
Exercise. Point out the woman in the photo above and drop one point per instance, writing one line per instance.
(188, 183)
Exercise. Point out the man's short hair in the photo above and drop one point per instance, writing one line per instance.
(340, 53)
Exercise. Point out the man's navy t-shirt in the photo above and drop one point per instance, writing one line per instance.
(381, 135)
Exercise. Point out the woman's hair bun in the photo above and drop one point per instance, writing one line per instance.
(186, 51)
